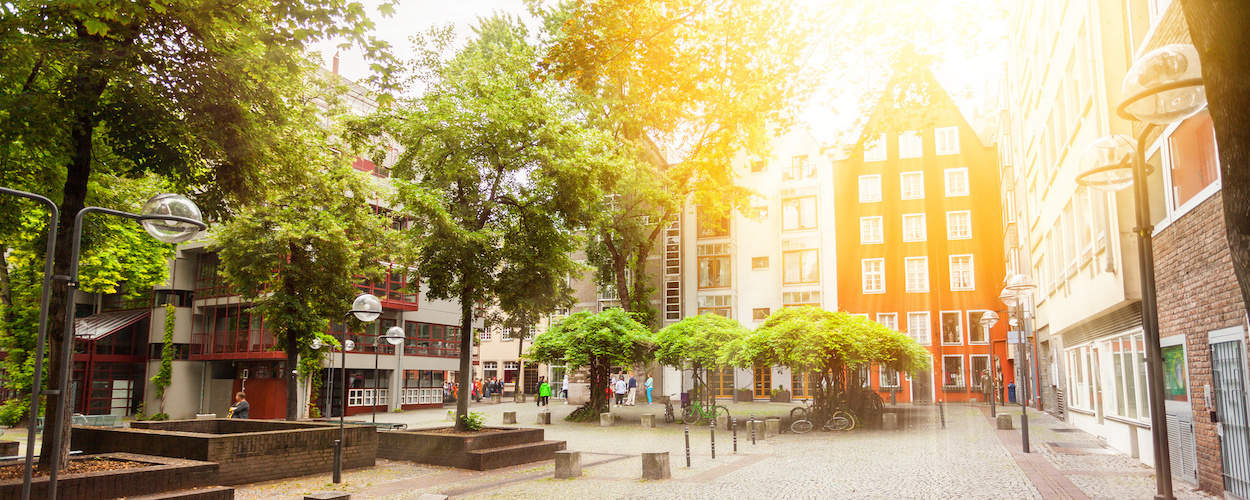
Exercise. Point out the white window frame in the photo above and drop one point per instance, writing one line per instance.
(882, 371)
(924, 230)
(967, 182)
(878, 150)
(928, 327)
(483, 334)
(963, 371)
(958, 315)
(862, 192)
(864, 275)
(950, 226)
(910, 144)
(970, 325)
(902, 186)
(972, 274)
(892, 316)
(867, 237)
(922, 283)
(1165, 161)
(946, 140)
(975, 378)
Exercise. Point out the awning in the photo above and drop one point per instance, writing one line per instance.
(98, 326)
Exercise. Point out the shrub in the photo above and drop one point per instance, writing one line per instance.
(473, 421)
(13, 412)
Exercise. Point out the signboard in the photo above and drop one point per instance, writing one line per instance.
(1015, 337)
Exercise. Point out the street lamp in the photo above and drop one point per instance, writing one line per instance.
(988, 320)
(1163, 87)
(365, 308)
(394, 336)
(170, 218)
(1018, 287)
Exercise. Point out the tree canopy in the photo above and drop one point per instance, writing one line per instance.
(697, 339)
(597, 341)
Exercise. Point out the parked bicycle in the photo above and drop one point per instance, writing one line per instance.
(669, 416)
(696, 412)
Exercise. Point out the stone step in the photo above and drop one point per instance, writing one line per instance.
(515, 436)
(504, 456)
(203, 493)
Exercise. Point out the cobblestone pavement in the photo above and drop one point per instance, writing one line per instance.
(967, 459)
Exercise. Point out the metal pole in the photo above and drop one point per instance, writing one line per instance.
(733, 422)
(1024, 371)
(338, 443)
(42, 335)
(1150, 322)
(993, 387)
(942, 412)
(711, 428)
(377, 381)
(687, 432)
(751, 428)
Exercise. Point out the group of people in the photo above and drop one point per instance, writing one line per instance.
(484, 389)
(626, 391)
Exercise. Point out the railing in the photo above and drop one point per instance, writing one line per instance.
(423, 395)
(365, 397)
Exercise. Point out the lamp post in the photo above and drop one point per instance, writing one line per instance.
(41, 337)
(1163, 87)
(988, 320)
(394, 336)
(365, 308)
(170, 218)
(1017, 289)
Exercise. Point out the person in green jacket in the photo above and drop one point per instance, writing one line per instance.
(544, 391)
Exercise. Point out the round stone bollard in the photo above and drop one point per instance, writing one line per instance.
(605, 420)
(1004, 422)
(568, 464)
(544, 418)
(772, 426)
(509, 417)
(756, 427)
(648, 420)
(655, 466)
(889, 420)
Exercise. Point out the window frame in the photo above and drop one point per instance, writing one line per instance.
(756, 260)
(888, 315)
(880, 230)
(963, 372)
(907, 274)
(928, 326)
(864, 275)
(972, 274)
(860, 185)
(1162, 147)
(906, 140)
(726, 268)
(959, 315)
(903, 185)
(802, 254)
(947, 184)
(879, 150)
(969, 324)
(924, 229)
(800, 223)
(950, 227)
(951, 146)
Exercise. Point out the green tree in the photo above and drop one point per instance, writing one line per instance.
(497, 171)
(697, 340)
(596, 341)
(684, 86)
(832, 345)
(196, 91)
(165, 374)
(298, 254)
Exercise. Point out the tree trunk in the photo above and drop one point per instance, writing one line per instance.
(598, 386)
(292, 379)
(620, 262)
(520, 372)
(466, 353)
(1220, 30)
(88, 84)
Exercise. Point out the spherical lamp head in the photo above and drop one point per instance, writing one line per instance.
(1020, 284)
(1008, 298)
(366, 307)
(1165, 85)
(1107, 163)
(394, 335)
(176, 205)
(989, 319)
(316, 343)
(349, 345)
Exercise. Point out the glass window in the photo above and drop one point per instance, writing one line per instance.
(916, 274)
(956, 181)
(912, 185)
(873, 275)
(959, 225)
(870, 230)
(918, 327)
(888, 320)
(800, 168)
(804, 298)
(977, 334)
(800, 266)
(869, 188)
(712, 225)
(714, 265)
(952, 327)
(1175, 376)
(874, 149)
(760, 313)
(979, 367)
(953, 371)
(961, 273)
(758, 263)
(798, 213)
(910, 145)
(1194, 163)
(946, 140)
(889, 378)
(914, 227)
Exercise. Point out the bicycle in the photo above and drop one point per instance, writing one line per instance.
(695, 412)
(669, 416)
(840, 420)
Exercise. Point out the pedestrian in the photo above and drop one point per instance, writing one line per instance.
(544, 392)
(564, 389)
(986, 391)
(620, 388)
(477, 389)
(240, 408)
(650, 384)
(631, 396)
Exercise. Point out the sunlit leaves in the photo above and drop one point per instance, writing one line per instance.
(697, 339)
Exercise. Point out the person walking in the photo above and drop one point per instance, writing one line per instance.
(241, 408)
(544, 392)
(650, 384)
(986, 391)
(564, 388)
(620, 388)
(632, 395)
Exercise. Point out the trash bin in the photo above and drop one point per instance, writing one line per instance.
(1011, 392)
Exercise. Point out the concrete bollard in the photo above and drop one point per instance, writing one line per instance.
(889, 420)
(605, 420)
(509, 417)
(648, 420)
(496, 398)
(568, 464)
(772, 426)
(655, 466)
(544, 418)
(1004, 422)
(757, 428)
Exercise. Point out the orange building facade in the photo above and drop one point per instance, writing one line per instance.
(919, 249)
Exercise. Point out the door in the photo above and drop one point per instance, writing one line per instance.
(763, 381)
(922, 387)
(1230, 407)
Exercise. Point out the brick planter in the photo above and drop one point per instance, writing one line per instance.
(247, 451)
(492, 448)
(9, 448)
(161, 475)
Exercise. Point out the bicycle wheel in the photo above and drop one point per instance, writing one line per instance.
(801, 426)
(840, 421)
(798, 413)
(723, 412)
(689, 415)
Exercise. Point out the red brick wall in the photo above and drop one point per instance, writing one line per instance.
(1198, 293)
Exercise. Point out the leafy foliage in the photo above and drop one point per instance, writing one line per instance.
(697, 339)
(473, 421)
(164, 374)
(597, 341)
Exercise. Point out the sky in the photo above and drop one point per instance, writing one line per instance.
(969, 80)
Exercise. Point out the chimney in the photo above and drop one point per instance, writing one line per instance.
(335, 68)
